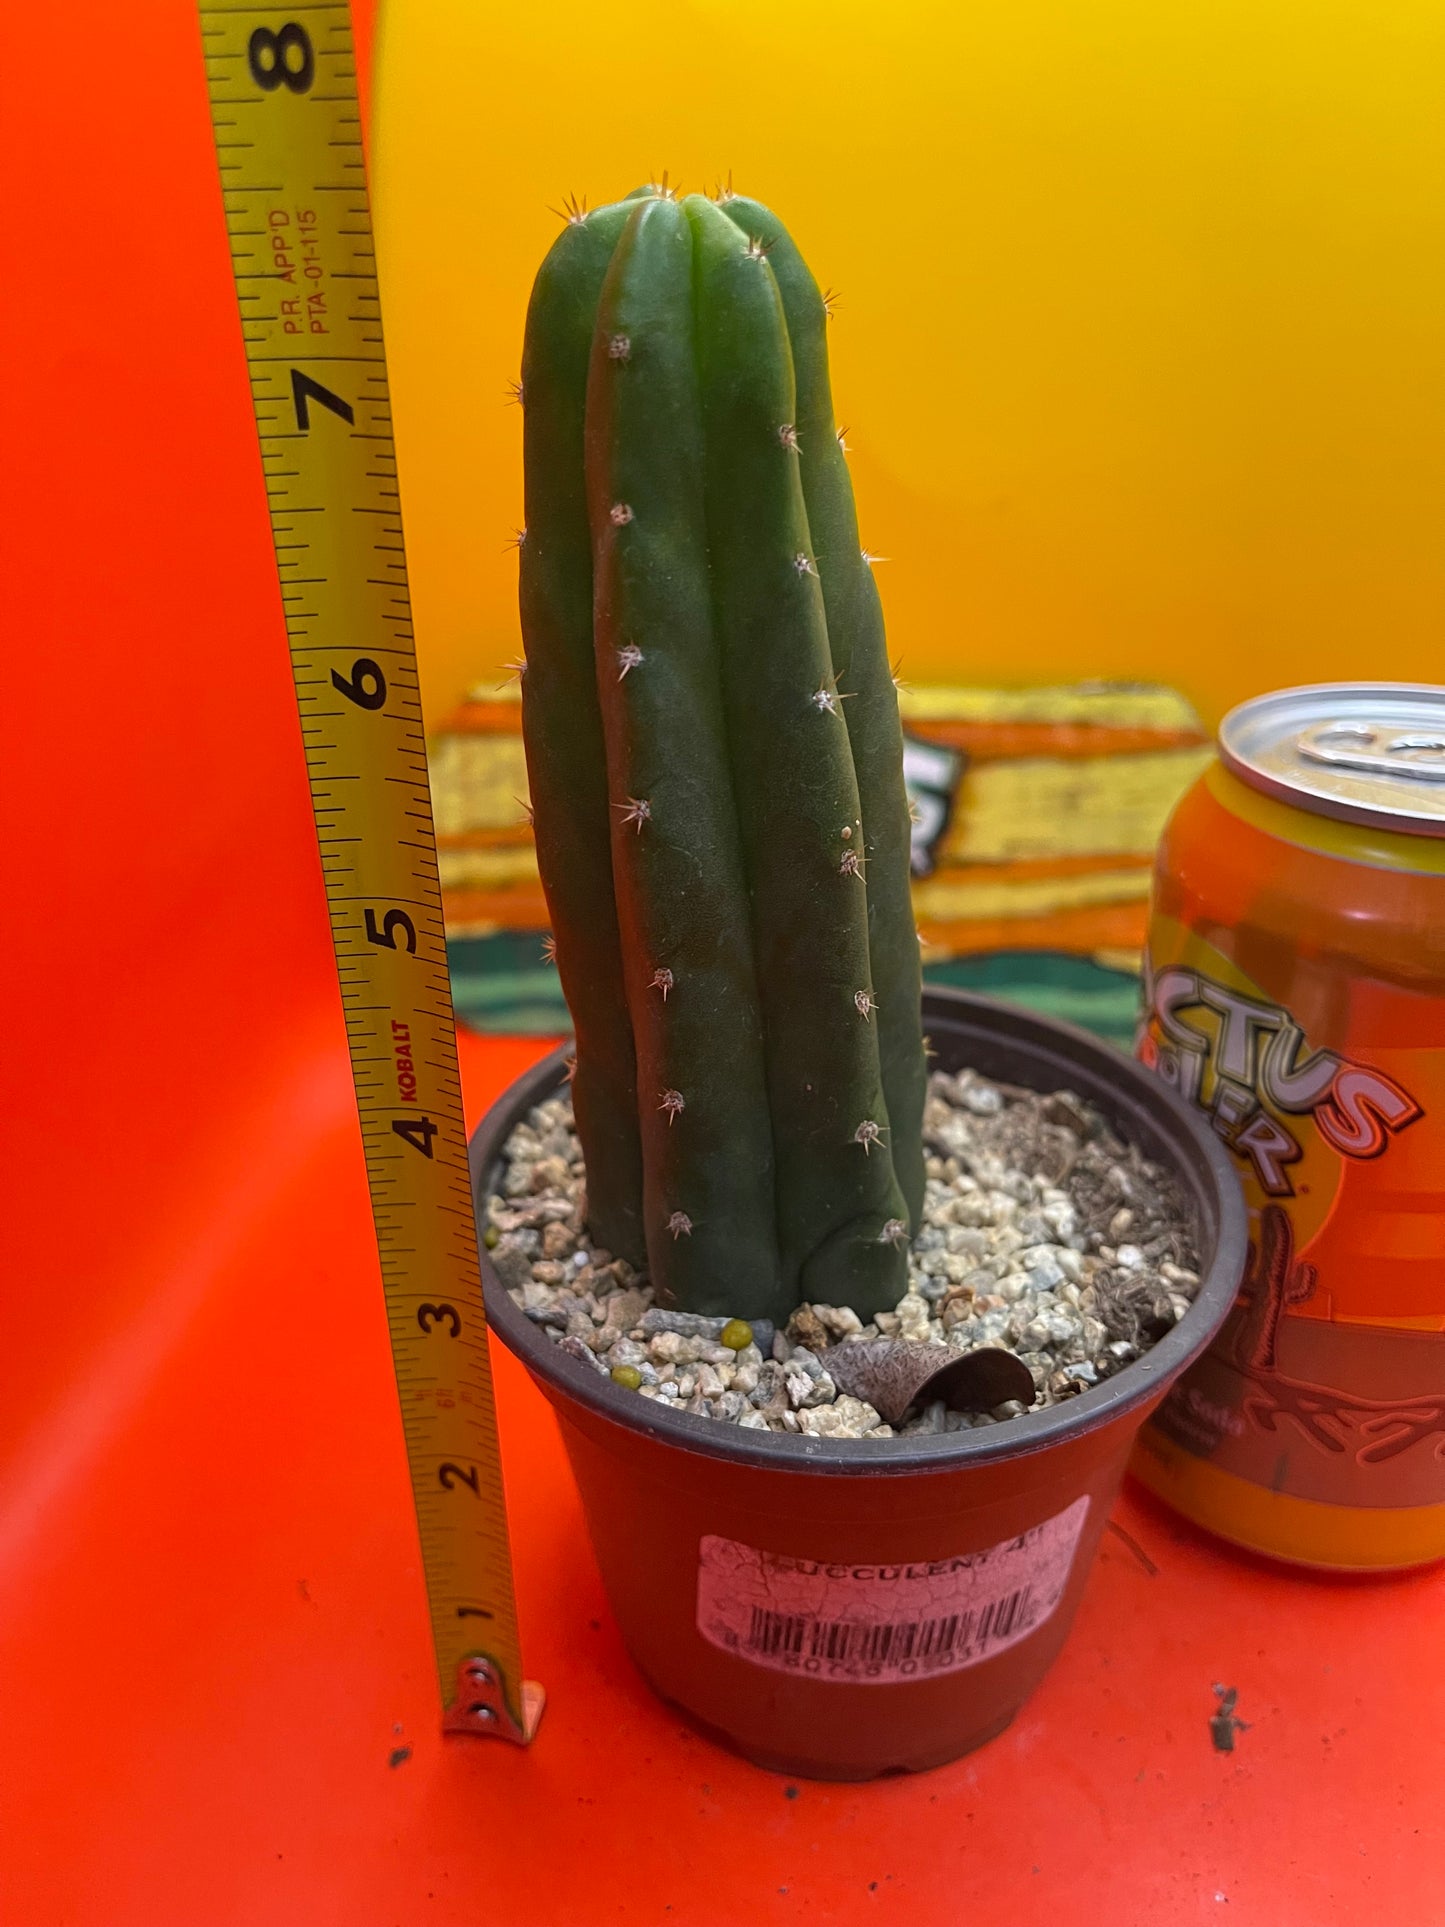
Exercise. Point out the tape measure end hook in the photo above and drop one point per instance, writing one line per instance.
(480, 1704)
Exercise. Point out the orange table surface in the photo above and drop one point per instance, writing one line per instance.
(216, 1691)
(215, 1651)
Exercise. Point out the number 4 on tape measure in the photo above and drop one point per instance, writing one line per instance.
(282, 87)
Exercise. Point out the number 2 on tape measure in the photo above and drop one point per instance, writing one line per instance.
(282, 87)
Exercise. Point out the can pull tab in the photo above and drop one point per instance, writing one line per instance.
(1375, 749)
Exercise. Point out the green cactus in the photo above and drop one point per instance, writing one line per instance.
(716, 768)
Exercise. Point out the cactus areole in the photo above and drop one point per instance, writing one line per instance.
(715, 762)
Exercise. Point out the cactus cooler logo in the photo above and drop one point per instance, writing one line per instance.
(1290, 1111)
(1328, 1380)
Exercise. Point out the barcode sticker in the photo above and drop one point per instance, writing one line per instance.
(878, 1624)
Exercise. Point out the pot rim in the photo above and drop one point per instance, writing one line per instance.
(1137, 1385)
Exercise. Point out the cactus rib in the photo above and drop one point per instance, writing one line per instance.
(562, 725)
(677, 864)
(794, 784)
(860, 662)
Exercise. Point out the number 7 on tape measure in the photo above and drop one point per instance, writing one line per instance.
(282, 86)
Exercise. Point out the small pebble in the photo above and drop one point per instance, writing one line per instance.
(574, 1348)
(845, 1418)
(511, 1265)
(558, 1242)
(689, 1324)
(736, 1334)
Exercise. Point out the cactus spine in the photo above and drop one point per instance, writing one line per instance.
(715, 760)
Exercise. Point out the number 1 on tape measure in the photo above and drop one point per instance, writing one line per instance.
(282, 87)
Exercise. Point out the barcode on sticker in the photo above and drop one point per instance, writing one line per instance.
(881, 1622)
(876, 1643)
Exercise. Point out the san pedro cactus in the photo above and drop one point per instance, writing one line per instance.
(715, 762)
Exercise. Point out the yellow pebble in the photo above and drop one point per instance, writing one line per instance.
(491, 1237)
(736, 1334)
(626, 1375)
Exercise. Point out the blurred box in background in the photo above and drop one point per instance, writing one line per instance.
(1037, 814)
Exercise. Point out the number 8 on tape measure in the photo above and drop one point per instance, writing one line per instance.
(282, 88)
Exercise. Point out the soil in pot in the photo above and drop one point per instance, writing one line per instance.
(1051, 1256)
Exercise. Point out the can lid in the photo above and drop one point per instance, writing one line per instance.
(1367, 752)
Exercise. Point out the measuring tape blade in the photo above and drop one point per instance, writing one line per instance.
(287, 123)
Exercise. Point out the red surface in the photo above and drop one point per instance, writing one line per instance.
(212, 1637)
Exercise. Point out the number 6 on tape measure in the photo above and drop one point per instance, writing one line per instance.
(282, 85)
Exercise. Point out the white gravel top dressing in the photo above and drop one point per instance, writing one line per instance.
(1043, 1235)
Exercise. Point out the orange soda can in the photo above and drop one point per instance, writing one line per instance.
(1294, 989)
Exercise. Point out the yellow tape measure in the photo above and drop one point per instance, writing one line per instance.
(284, 107)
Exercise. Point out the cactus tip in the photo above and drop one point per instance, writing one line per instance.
(804, 564)
(831, 298)
(915, 815)
(549, 948)
(865, 1003)
(672, 1102)
(928, 1051)
(518, 669)
(636, 810)
(620, 514)
(895, 1232)
(662, 190)
(516, 392)
(628, 657)
(724, 192)
(788, 436)
(868, 1134)
(518, 539)
(573, 210)
(526, 808)
(898, 682)
(870, 558)
(619, 348)
(662, 980)
(680, 1225)
(571, 1068)
(852, 864)
(841, 436)
(757, 249)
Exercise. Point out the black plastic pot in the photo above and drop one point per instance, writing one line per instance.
(838, 1609)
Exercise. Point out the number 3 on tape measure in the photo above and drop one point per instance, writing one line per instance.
(282, 87)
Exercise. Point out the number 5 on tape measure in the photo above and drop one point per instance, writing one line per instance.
(282, 87)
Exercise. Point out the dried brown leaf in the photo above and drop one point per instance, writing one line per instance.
(894, 1375)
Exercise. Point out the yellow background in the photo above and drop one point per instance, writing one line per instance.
(1141, 341)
